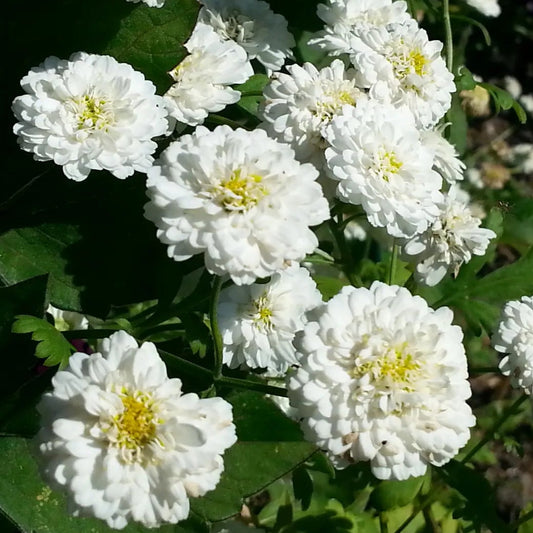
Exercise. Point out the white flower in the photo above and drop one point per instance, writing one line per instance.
(377, 155)
(240, 197)
(383, 378)
(473, 175)
(346, 19)
(514, 337)
(124, 442)
(300, 104)
(259, 322)
(89, 113)
(522, 156)
(150, 3)
(446, 162)
(67, 320)
(489, 8)
(451, 241)
(252, 25)
(204, 77)
(402, 66)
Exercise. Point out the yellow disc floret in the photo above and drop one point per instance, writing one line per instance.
(240, 191)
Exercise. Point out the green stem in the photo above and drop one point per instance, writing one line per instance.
(511, 410)
(448, 34)
(219, 119)
(251, 93)
(88, 333)
(484, 370)
(252, 385)
(215, 331)
(148, 332)
(411, 8)
(392, 264)
(522, 520)
(383, 523)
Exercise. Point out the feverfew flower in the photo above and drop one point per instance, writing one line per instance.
(446, 162)
(383, 378)
(124, 442)
(514, 337)
(204, 77)
(252, 25)
(300, 104)
(378, 157)
(150, 3)
(403, 66)
(489, 8)
(89, 113)
(451, 241)
(240, 197)
(259, 322)
(347, 19)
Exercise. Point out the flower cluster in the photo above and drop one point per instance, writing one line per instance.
(374, 374)
(124, 440)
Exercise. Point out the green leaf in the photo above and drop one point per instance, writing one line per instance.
(329, 286)
(503, 100)
(391, 494)
(456, 133)
(51, 345)
(151, 39)
(99, 251)
(254, 86)
(464, 80)
(270, 445)
(302, 484)
(33, 507)
(17, 352)
(480, 500)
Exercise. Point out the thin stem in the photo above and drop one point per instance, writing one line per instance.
(215, 331)
(252, 385)
(219, 119)
(448, 34)
(251, 93)
(392, 264)
(484, 370)
(522, 520)
(499, 422)
(20, 191)
(383, 523)
(88, 333)
(411, 8)
(428, 500)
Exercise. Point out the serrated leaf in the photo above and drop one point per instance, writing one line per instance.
(17, 352)
(464, 80)
(51, 344)
(151, 39)
(270, 445)
(329, 286)
(33, 507)
(503, 100)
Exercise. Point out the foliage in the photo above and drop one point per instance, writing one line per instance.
(86, 247)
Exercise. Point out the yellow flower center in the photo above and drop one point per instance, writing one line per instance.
(387, 164)
(92, 113)
(408, 62)
(263, 314)
(240, 191)
(394, 367)
(136, 425)
(332, 102)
